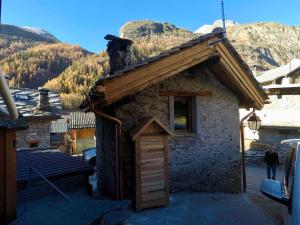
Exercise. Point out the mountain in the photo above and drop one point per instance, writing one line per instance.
(208, 28)
(34, 66)
(74, 82)
(41, 33)
(14, 39)
(144, 28)
(33, 57)
(151, 38)
(262, 45)
(265, 45)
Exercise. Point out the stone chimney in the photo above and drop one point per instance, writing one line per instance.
(43, 104)
(119, 51)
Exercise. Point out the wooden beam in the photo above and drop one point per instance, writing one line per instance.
(11, 180)
(2, 177)
(229, 61)
(154, 72)
(145, 76)
(150, 81)
(283, 91)
(8, 184)
(185, 93)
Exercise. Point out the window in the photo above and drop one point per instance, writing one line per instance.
(182, 113)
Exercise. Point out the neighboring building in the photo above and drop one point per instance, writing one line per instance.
(286, 74)
(76, 132)
(195, 90)
(59, 133)
(82, 128)
(280, 118)
(38, 108)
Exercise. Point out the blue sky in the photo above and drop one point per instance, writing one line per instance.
(87, 22)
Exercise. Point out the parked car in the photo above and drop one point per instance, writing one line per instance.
(89, 155)
(287, 191)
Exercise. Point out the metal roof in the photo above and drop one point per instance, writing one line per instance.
(59, 126)
(279, 72)
(82, 120)
(49, 163)
(27, 101)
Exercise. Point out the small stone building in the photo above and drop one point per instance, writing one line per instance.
(195, 90)
(280, 118)
(38, 108)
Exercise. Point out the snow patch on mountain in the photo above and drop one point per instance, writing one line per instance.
(207, 28)
(35, 30)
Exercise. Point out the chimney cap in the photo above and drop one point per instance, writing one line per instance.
(111, 37)
(42, 89)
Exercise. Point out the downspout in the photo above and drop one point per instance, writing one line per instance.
(119, 169)
(243, 149)
(8, 99)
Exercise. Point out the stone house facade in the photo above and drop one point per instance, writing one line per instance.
(280, 119)
(37, 108)
(195, 90)
(37, 131)
(193, 156)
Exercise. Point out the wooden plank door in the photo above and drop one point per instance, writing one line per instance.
(152, 187)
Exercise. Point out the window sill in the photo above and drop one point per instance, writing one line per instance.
(184, 134)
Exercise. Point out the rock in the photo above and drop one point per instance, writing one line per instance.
(136, 29)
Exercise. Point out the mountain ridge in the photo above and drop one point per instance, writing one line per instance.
(32, 59)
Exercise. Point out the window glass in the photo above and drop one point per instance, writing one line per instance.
(182, 113)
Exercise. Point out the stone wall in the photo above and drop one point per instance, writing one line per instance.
(289, 102)
(37, 130)
(275, 136)
(208, 161)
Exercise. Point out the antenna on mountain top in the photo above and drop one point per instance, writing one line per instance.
(223, 18)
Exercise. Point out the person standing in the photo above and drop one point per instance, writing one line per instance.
(272, 161)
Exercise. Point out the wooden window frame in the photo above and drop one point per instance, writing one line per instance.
(195, 115)
(189, 117)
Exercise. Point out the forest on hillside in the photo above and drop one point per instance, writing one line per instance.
(32, 60)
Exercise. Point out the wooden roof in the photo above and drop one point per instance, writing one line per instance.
(137, 131)
(230, 69)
